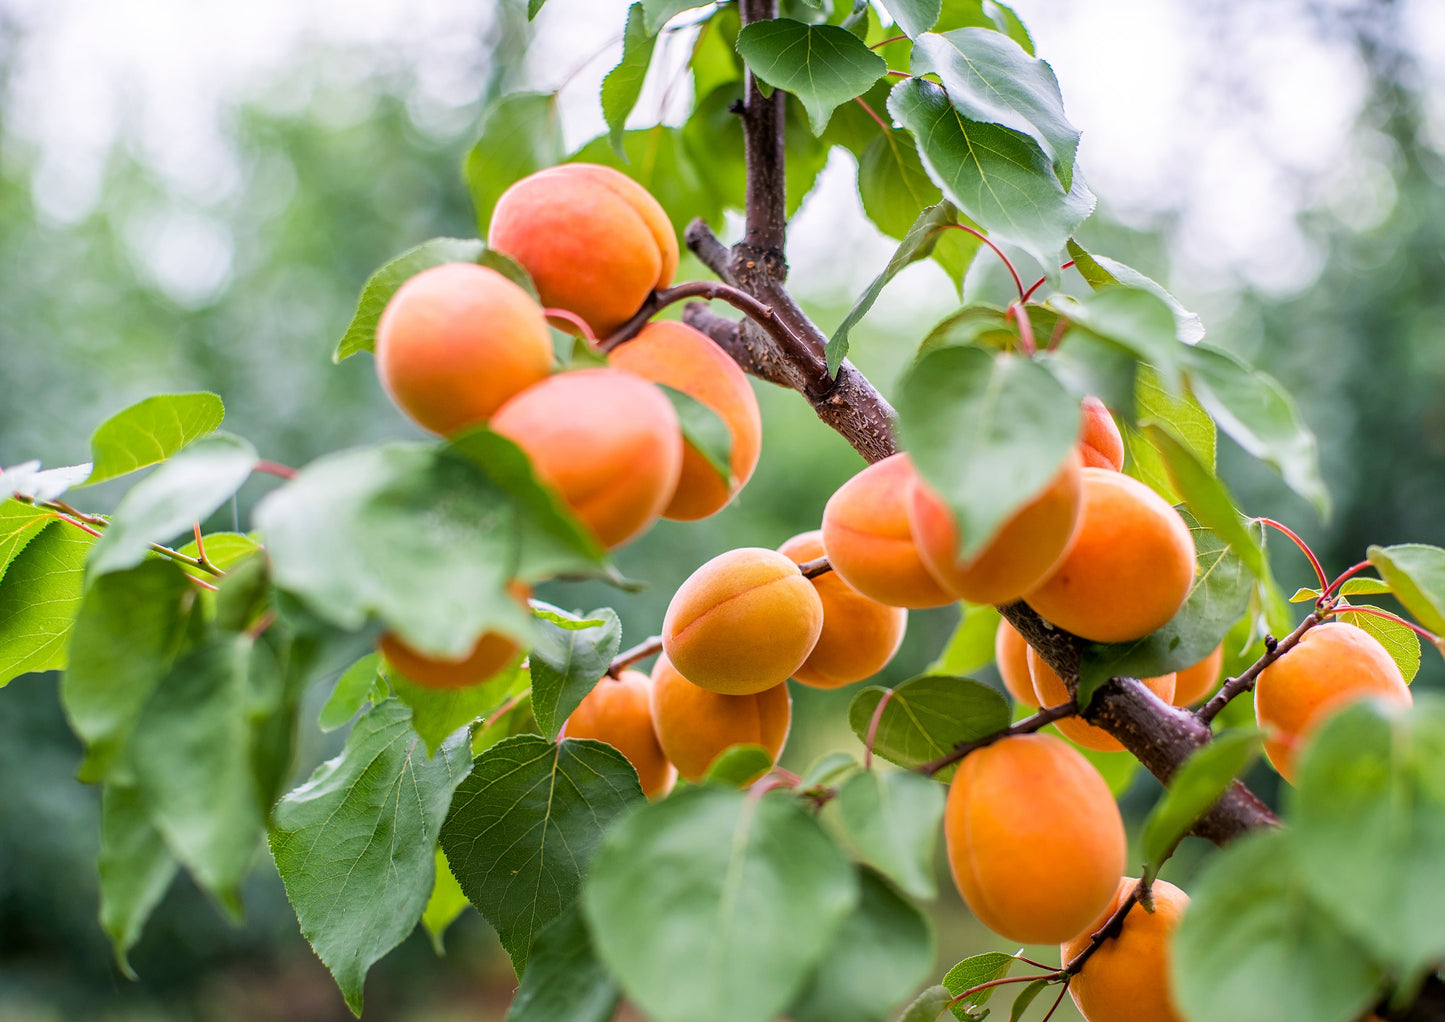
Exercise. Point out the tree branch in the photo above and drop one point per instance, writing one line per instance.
(763, 125)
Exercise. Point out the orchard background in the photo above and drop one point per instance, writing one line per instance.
(226, 255)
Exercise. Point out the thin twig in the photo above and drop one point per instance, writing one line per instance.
(1304, 549)
(1245, 681)
(628, 657)
(745, 303)
(873, 723)
(1018, 281)
(1028, 725)
(817, 566)
(1112, 927)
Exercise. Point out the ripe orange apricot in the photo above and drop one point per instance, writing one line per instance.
(1127, 978)
(608, 441)
(743, 622)
(1194, 683)
(1010, 653)
(870, 542)
(1052, 691)
(458, 340)
(1130, 568)
(1100, 444)
(619, 712)
(676, 355)
(1035, 840)
(594, 240)
(1332, 665)
(695, 726)
(1021, 554)
(859, 635)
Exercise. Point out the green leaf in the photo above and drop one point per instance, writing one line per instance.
(753, 892)
(567, 663)
(135, 870)
(972, 972)
(183, 491)
(520, 135)
(1369, 809)
(534, 7)
(1208, 498)
(524, 826)
(881, 952)
(658, 159)
(39, 595)
(1195, 787)
(659, 12)
(704, 431)
(564, 982)
(1025, 998)
(19, 524)
(1255, 947)
(714, 60)
(987, 432)
(127, 632)
(891, 822)
(990, 78)
(926, 717)
(917, 244)
(224, 550)
(446, 903)
(355, 845)
(1088, 366)
(828, 767)
(1186, 418)
(1101, 272)
(1357, 586)
(927, 1006)
(437, 713)
(623, 83)
(971, 645)
(1399, 640)
(151, 431)
(823, 65)
(738, 765)
(1260, 416)
(351, 693)
(1218, 597)
(1416, 575)
(1135, 320)
(1002, 180)
(914, 17)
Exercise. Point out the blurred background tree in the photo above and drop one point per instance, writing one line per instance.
(224, 251)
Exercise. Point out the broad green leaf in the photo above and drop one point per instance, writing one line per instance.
(714, 60)
(753, 892)
(1186, 418)
(704, 431)
(1218, 597)
(437, 713)
(1255, 947)
(19, 524)
(990, 78)
(1369, 813)
(972, 972)
(224, 550)
(1260, 416)
(1208, 498)
(564, 981)
(914, 17)
(891, 820)
(928, 1006)
(623, 83)
(1136, 321)
(971, 645)
(1089, 366)
(917, 244)
(567, 662)
(534, 7)
(1195, 787)
(1416, 575)
(1399, 640)
(1101, 272)
(524, 826)
(739, 765)
(151, 431)
(926, 717)
(355, 845)
(39, 595)
(823, 65)
(1001, 180)
(828, 767)
(42, 486)
(658, 12)
(1025, 997)
(987, 432)
(183, 491)
(129, 628)
(520, 135)
(351, 693)
(879, 955)
(658, 159)
(446, 903)
(1005, 20)
(135, 870)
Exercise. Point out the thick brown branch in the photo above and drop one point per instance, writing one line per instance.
(763, 148)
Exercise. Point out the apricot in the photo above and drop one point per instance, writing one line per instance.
(458, 340)
(1052, 691)
(594, 240)
(491, 652)
(1100, 444)
(1010, 653)
(859, 635)
(695, 726)
(1021, 554)
(606, 440)
(1130, 567)
(1332, 665)
(676, 355)
(870, 542)
(618, 711)
(1194, 683)
(1034, 839)
(743, 622)
(1127, 978)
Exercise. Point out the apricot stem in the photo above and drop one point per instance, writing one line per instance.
(200, 545)
(506, 708)
(998, 983)
(1245, 681)
(1058, 334)
(817, 566)
(1018, 281)
(1026, 327)
(1111, 928)
(274, 468)
(1354, 608)
(871, 113)
(873, 723)
(1304, 548)
(885, 42)
(1343, 576)
(1064, 989)
(628, 657)
(1040, 282)
(1028, 725)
